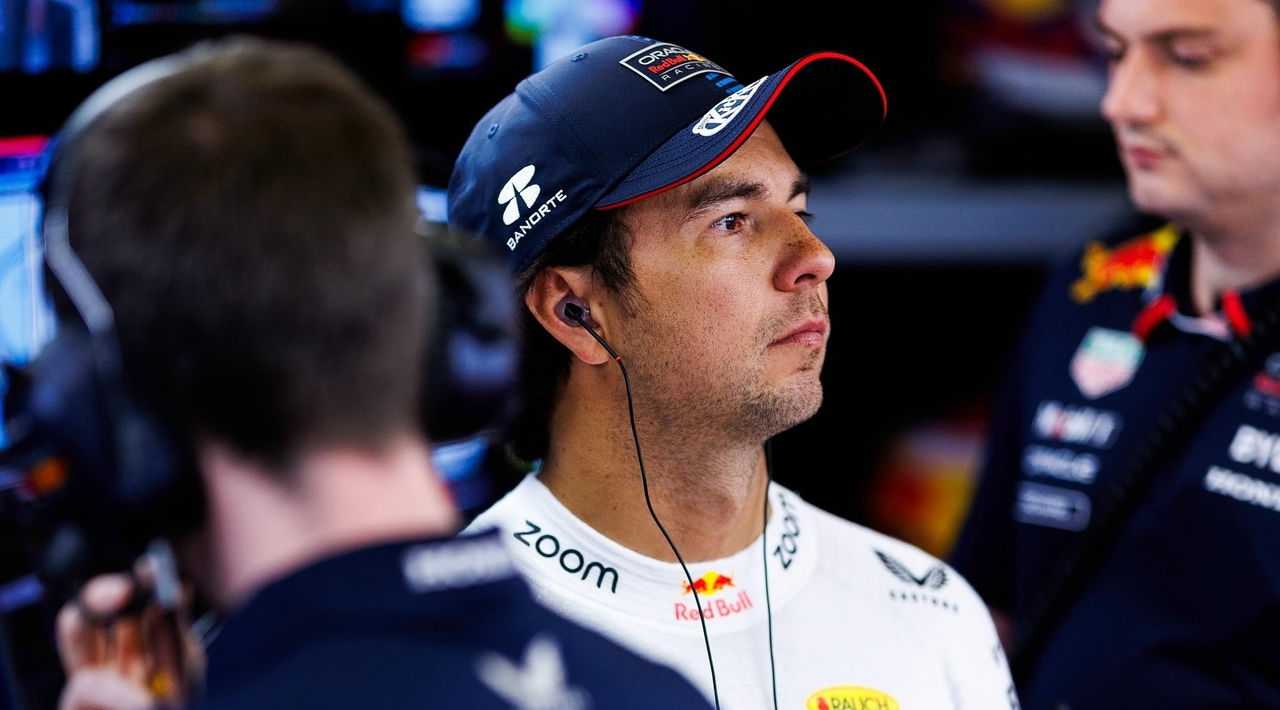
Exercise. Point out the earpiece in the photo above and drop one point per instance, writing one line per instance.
(574, 311)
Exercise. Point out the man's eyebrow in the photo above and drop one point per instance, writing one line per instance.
(714, 191)
(1161, 37)
(1183, 33)
(801, 186)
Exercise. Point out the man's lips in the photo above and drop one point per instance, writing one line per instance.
(1144, 156)
(810, 332)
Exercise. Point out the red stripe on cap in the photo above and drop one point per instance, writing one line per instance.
(1153, 315)
(755, 123)
(1233, 309)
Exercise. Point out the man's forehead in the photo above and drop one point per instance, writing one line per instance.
(759, 168)
(1139, 19)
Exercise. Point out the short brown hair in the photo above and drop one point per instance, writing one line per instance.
(250, 220)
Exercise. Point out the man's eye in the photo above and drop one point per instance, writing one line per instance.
(1188, 60)
(731, 222)
(1192, 54)
(805, 215)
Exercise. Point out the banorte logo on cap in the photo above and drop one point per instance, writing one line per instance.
(521, 186)
(518, 185)
(722, 113)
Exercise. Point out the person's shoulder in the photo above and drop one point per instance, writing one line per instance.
(514, 653)
(1103, 277)
(610, 671)
(901, 574)
(870, 547)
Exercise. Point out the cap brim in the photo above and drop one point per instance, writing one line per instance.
(832, 103)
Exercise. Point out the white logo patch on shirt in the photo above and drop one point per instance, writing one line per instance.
(1073, 424)
(536, 682)
(1257, 447)
(1106, 361)
(462, 563)
(1052, 507)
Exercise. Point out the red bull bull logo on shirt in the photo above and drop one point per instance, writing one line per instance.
(708, 584)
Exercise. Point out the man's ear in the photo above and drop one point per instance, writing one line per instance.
(551, 289)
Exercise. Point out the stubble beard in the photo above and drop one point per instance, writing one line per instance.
(731, 403)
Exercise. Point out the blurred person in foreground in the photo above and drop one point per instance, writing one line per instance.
(655, 213)
(247, 210)
(1129, 510)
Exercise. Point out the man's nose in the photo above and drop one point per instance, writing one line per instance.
(1131, 98)
(807, 262)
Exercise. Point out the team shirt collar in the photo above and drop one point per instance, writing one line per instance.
(1167, 300)
(606, 576)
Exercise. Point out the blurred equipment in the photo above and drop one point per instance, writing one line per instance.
(39, 36)
(1032, 82)
(922, 486)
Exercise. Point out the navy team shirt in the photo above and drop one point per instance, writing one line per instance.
(422, 624)
(1184, 611)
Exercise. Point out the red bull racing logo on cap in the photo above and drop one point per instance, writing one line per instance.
(707, 586)
(850, 697)
(1136, 263)
(665, 65)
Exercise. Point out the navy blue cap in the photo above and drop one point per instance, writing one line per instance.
(624, 118)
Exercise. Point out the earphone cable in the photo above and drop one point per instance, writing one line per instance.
(644, 481)
(764, 557)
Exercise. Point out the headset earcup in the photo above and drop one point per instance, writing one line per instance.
(474, 358)
(129, 478)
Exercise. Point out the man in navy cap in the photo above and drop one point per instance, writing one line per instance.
(655, 214)
(1128, 517)
(237, 224)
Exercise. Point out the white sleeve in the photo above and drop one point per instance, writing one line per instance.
(977, 668)
(952, 620)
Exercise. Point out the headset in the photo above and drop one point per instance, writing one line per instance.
(473, 361)
(107, 473)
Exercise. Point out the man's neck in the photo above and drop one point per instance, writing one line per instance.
(263, 525)
(1232, 257)
(709, 494)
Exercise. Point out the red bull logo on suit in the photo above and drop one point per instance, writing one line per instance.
(707, 586)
